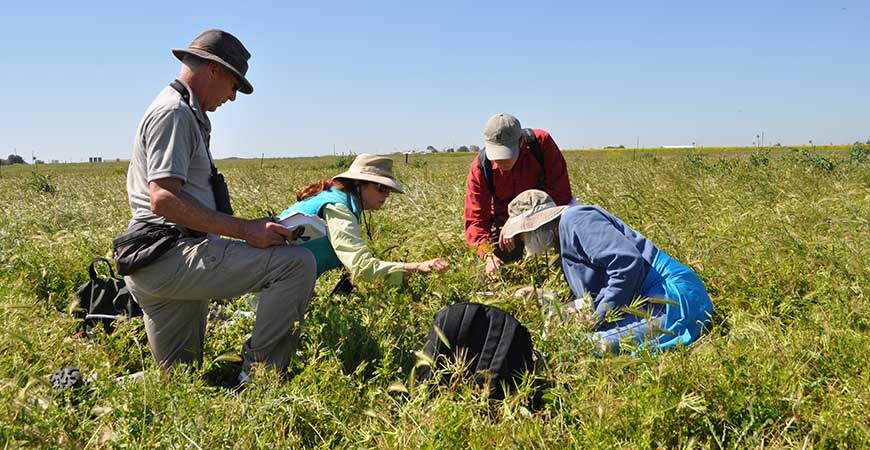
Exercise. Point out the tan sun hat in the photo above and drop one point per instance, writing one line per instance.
(374, 168)
(529, 211)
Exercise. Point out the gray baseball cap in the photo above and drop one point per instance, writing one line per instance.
(502, 137)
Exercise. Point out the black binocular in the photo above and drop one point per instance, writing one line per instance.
(221, 193)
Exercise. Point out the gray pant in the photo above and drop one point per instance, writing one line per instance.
(174, 292)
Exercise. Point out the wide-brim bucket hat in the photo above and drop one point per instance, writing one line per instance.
(224, 49)
(529, 211)
(374, 168)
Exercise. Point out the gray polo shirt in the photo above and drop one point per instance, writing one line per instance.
(171, 142)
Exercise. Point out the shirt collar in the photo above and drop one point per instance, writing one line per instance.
(194, 106)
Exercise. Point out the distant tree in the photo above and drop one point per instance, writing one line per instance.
(15, 159)
(462, 148)
(449, 150)
(474, 149)
(431, 149)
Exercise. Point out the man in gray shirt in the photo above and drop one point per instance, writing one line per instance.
(169, 183)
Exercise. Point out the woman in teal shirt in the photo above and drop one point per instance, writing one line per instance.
(340, 201)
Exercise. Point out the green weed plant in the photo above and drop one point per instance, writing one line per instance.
(779, 237)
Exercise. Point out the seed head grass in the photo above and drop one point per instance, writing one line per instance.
(779, 237)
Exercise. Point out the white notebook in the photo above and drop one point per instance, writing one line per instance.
(304, 227)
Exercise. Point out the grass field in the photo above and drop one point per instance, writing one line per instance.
(780, 238)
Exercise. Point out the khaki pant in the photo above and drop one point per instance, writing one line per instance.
(174, 292)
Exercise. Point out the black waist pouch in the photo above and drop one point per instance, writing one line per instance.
(142, 244)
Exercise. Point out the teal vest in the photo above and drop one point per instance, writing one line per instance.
(321, 247)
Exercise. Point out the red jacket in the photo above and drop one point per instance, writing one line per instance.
(481, 208)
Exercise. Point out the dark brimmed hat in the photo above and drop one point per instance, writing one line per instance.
(220, 47)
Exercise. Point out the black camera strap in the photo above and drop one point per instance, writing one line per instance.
(223, 206)
(185, 95)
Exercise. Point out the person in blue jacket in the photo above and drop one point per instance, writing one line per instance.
(614, 264)
(340, 201)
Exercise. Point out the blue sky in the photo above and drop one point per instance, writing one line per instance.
(387, 76)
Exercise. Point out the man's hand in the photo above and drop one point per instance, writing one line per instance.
(493, 263)
(506, 244)
(169, 201)
(263, 233)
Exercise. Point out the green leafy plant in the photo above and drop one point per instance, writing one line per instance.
(778, 237)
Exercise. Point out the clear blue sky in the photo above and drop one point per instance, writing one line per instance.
(386, 76)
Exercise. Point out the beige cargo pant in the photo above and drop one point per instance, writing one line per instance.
(175, 290)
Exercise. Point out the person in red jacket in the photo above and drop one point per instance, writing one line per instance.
(510, 166)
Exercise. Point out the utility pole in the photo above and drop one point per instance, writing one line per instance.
(636, 146)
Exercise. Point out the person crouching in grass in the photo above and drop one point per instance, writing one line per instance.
(341, 201)
(614, 264)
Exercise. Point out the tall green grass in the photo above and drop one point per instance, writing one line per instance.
(779, 237)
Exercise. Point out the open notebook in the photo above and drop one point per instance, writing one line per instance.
(303, 227)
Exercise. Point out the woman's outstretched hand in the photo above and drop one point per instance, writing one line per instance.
(436, 264)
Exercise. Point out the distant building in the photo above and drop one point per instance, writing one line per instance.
(54, 161)
(95, 159)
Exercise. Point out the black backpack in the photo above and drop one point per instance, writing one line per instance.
(532, 141)
(497, 346)
(103, 300)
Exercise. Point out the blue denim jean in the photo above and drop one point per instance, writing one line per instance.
(678, 323)
(639, 332)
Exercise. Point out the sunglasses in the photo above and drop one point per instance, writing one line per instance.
(380, 187)
(236, 83)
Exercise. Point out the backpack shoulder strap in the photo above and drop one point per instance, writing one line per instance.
(495, 340)
(505, 344)
(455, 323)
(535, 146)
(486, 168)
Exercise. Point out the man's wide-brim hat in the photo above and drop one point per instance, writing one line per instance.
(222, 48)
(529, 211)
(374, 168)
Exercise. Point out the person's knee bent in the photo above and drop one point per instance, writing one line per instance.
(299, 263)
